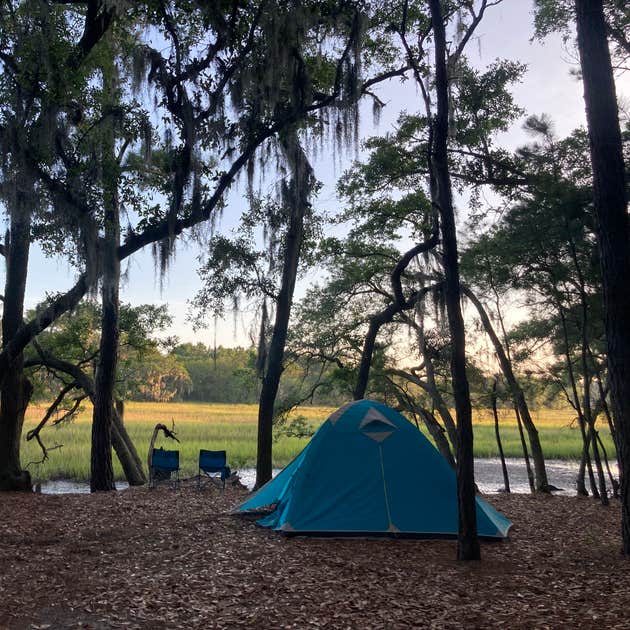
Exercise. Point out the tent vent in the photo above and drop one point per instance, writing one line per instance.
(374, 417)
(376, 426)
(378, 436)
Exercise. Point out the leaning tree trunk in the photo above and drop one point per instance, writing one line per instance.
(528, 467)
(437, 433)
(585, 463)
(434, 427)
(376, 322)
(121, 441)
(613, 481)
(542, 485)
(125, 448)
(493, 401)
(438, 400)
(16, 388)
(611, 210)
(399, 305)
(297, 196)
(468, 543)
(586, 375)
(585, 460)
(609, 420)
(126, 452)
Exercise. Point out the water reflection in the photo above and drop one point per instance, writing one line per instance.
(488, 476)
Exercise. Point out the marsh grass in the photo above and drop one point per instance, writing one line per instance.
(233, 428)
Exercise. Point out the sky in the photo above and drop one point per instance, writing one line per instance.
(506, 32)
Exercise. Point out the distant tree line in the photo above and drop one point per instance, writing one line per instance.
(154, 368)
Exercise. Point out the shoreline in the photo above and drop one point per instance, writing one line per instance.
(488, 476)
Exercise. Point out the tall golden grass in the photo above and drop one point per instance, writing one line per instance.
(233, 428)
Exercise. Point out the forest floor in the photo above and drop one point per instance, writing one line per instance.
(177, 559)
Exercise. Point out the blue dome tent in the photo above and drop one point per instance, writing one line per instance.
(368, 471)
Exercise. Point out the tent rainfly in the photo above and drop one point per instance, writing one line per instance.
(368, 471)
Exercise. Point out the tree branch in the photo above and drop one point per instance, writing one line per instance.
(27, 332)
(396, 274)
(98, 19)
(51, 410)
(477, 17)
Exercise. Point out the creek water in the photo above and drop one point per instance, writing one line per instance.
(488, 476)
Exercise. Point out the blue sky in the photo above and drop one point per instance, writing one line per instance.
(547, 88)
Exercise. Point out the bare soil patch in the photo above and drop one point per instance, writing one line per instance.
(177, 559)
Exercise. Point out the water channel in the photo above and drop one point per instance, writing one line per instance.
(488, 476)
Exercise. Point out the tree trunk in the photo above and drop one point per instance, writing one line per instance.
(443, 446)
(612, 215)
(297, 200)
(613, 482)
(528, 466)
(16, 389)
(542, 485)
(585, 463)
(468, 543)
(493, 400)
(585, 460)
(601, 478)
(102, 474)
(435, 428)
(376, 321)
(126, 453)
(437, 433)
(124, 447)
(386, 316)
(609, 420)
(438, 400)
(586, 376)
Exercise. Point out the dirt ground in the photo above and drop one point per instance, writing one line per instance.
(177, 559)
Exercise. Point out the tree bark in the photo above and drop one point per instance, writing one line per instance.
(468, 543)
(102, 473)
(434, 427)
(126, 452)
(611, 210)
(586, 374)
(438, 400)
(298, 201)
(493, 400)
(376, 321)
(528, 467)
(387, 315)
(585, 460)
(613, 482)
(123, 446)
(16, 389)
(585, 463)
(542, 485)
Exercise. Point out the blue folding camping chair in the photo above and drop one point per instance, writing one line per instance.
(164, 467)
(212, 468)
